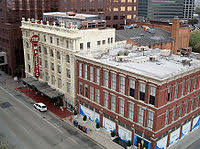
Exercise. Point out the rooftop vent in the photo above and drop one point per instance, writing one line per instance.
(186, 62)
(153, 58)
(165, 52)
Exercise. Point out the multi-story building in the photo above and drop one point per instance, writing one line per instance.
(188, 9)
(57, 46)
(115, 12)
(165, 9)
(11, 13)
(150, 97)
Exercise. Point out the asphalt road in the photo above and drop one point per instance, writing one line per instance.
(195, 145)
(23, 127)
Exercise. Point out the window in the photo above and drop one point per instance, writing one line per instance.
(129, 8)
(80, 88)
(106, 99)
(142, 91)
(58, 42)
(105, 78)
(121, 106)
(68, 73)
(176, 90)
(67, 58)
(150, 116)
(91, 93)
(192, 103)
(195, 82)
(115, 9)
(40, 62)
(47, 76)
(52, 66)
(68, 87)
(130, 110)
(81, 46)
(189, 84)
(152, 94)
(58, 55)
(91, 74)
(115, 18)
(51, 53)
(111, 39)
(186, 107)
(108, 40)
(86, 90)
(44, 37)
(180, 109)
(103, 42)
(197, 103)
(46, 64)
(85, 71)
(51, 40)
(113, 81)
(183, 87)
(123, 8)
(28, 56)
(40, 49)
(140, 115)
(97, 94)
(167, 117)
(169, 92)
(98, 43)
(59, 83)
(122, 84)
(132, 87)
(80, 69)
(67, 43)
(53, 80)
(27, 45)
(58, 69)
(88, 45)
(97, 75)
(174, 112)
(113, 102)
(45, 51)
(128, 16)
(29, 68)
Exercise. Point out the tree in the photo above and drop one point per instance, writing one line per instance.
(197, 10)
(193, 21)
(194, 41)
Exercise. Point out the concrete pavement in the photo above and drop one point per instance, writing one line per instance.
(23, 127)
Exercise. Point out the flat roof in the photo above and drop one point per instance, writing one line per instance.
(66, 14)
(156, 64)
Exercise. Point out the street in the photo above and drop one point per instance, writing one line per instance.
(23, 127)
(195, 145)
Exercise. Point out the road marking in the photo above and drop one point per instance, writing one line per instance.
(32, 110)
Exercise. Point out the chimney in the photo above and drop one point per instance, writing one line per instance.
(175, 32)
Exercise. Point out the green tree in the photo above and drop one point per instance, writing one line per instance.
(195, 41)
(193, 21)
(197, 10)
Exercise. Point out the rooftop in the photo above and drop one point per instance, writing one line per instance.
(155, 64)
(71, 15)
(144, 36)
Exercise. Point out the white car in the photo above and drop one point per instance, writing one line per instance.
(41, 107)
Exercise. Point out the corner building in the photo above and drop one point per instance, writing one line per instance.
(150, 97)
(57, 46)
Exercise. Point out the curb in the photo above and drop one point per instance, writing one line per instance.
(84, 134)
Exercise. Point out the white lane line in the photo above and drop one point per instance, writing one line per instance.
(32, 110)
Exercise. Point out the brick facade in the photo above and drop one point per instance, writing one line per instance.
(161, 101)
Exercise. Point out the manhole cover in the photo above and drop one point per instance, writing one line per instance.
(5, 105)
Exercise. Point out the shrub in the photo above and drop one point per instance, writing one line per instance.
(129, 143)
(75, 112)
(84, 118)
(97, 125)
(112, 133)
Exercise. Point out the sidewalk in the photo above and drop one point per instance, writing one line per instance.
(187, 140)
(101, 136)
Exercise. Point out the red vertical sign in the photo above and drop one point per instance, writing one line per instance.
(34, 40)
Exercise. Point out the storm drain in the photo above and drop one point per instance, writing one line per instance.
(5, 105)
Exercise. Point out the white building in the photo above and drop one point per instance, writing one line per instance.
(57, 46)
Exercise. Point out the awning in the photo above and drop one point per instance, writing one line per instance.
(42, 87)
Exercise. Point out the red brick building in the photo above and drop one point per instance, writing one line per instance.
(11, 13)
(115, 12)
(148, 97)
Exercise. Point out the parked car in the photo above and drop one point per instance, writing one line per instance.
(40, 106)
